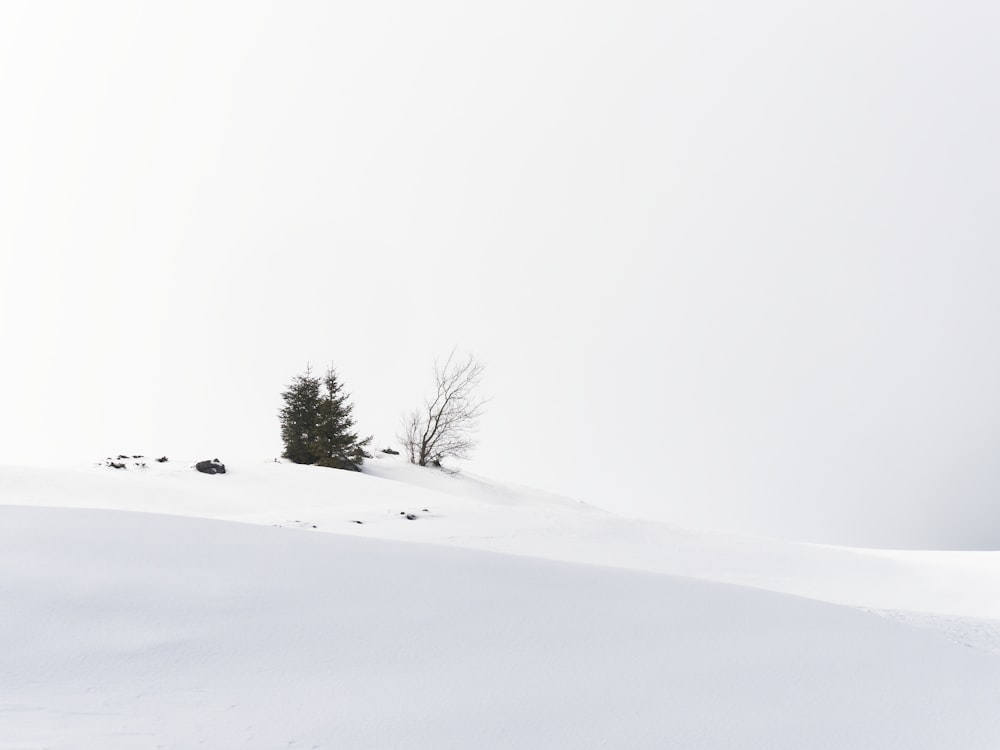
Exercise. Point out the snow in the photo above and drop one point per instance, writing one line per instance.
(174, 627)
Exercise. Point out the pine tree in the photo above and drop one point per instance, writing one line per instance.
(300, 418)
(336, 445)
(317, 424)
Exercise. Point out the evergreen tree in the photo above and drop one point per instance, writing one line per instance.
(336, 444)
(300, 418)
(317, 425)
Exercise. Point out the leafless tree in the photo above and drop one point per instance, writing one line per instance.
(446, 425)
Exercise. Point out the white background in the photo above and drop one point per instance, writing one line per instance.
(739, 259)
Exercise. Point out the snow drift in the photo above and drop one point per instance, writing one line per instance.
(141, 630)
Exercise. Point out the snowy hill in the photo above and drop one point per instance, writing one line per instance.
(327, 618)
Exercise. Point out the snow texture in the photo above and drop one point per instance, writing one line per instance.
(145, 630)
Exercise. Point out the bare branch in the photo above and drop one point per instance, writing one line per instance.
(446, 426)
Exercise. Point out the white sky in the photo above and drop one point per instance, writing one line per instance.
(729, 264)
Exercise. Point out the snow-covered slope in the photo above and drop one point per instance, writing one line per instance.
(466, 511)
(129, 630)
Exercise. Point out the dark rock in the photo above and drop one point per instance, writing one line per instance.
(410, 517)
(138, 456)
(116, 465)
(390, 451)
(121, 456)
(162, 459)
(359, 523)
(211, 467)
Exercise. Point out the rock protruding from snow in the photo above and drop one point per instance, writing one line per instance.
(215, 466)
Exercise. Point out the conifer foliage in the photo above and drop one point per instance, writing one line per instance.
(316, 423)
(300, 418)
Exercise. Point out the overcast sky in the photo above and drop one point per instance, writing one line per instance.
(729, 264)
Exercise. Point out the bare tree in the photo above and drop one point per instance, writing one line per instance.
(446, 425)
